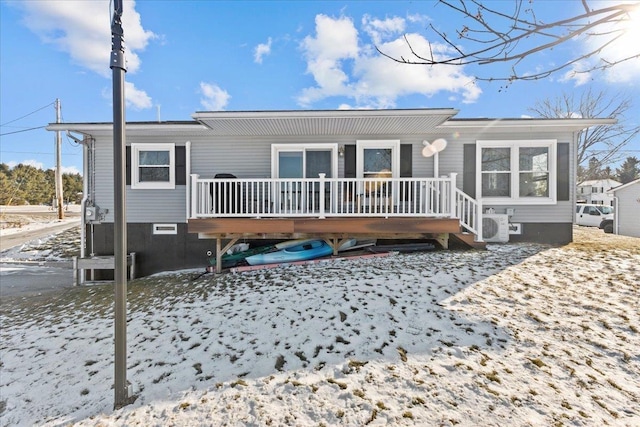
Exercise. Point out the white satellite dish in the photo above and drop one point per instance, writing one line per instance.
(428, 150)
(435, 147)
(439, 144)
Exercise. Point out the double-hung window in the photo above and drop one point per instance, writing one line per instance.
(517, 172)
(152, 166)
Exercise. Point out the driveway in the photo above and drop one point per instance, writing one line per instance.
(27, 279)
(30, 278)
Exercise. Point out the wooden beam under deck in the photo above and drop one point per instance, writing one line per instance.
(390, 228)
(332, 230)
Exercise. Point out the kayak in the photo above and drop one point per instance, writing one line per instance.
(302, 251)
(233, 257)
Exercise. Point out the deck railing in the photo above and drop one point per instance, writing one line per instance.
(332, 197)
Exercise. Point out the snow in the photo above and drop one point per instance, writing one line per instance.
(520, 334)
(13, 220)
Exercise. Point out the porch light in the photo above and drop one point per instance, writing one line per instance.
(341, 151)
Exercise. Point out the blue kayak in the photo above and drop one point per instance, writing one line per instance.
(305, 250)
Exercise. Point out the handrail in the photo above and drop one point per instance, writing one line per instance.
(322, 197)
(469, 211)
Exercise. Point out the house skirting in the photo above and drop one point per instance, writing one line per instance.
(544, 232)
(188, 247)
(154, 252)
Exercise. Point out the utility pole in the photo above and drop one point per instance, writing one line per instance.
(58, 175)
(118, 67)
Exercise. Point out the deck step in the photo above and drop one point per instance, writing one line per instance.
(467, 239)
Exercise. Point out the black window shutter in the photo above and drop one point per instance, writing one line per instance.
(563, 190)
(181, 165)
(350, 161)
(128, 165)
(406, 160)
(406, 171)
(469, 170)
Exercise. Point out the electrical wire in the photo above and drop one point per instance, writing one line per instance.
(27, 115)
(23, 130)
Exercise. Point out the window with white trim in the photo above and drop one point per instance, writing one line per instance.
(378, 159)
(304, 161)
(517, 172)
(153, 166)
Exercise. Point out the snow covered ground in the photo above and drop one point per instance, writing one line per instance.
(520, 334)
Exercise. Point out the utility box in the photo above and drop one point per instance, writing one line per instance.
(92, 213)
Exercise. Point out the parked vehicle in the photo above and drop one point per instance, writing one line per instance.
(595, 216)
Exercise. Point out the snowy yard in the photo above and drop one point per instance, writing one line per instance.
(520, 334)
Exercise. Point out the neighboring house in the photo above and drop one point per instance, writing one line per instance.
(199, 185)
(627, 209)
(596, 191)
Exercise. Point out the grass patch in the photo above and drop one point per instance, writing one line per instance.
(539, 363)
(342, 385)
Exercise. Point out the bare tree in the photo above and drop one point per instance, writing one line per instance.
(598, 146)
(494, 36)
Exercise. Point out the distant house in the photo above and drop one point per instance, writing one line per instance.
(199, 185)
(627, 209)
(596, 191)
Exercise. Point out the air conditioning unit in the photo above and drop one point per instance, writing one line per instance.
(495, 228)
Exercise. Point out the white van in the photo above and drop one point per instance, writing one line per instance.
(594, 215)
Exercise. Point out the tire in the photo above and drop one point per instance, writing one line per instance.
(608, 228)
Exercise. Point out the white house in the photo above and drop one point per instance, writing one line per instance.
(627, 209)
(595, 191)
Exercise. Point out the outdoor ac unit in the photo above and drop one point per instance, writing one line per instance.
(495, 228)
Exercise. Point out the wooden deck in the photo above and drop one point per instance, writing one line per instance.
(333, 230)
(294, 228)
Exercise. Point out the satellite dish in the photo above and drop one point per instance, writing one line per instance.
(439, 144)
(435, 147)
(428, 150)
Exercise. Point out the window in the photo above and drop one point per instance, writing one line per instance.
(300, 161)
(153, 166)
(517, 171)
(378, 159)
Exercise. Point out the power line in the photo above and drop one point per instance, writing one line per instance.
(26, 115)
(23, 130)
(36, 152)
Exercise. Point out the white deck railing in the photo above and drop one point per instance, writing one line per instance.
(332, 197)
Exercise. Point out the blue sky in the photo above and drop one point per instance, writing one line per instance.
(192, 56)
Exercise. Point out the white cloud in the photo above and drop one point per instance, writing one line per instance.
(379, 29)
(82, 29)
(261, 50)
(29, 162)
(72, 170)
(343, 67)
(336, 41)
(134, 98)
(214, 98)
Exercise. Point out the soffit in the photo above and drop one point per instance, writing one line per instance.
(310, 123)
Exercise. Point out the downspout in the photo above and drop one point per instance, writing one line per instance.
(616, 221)
(87, 191)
